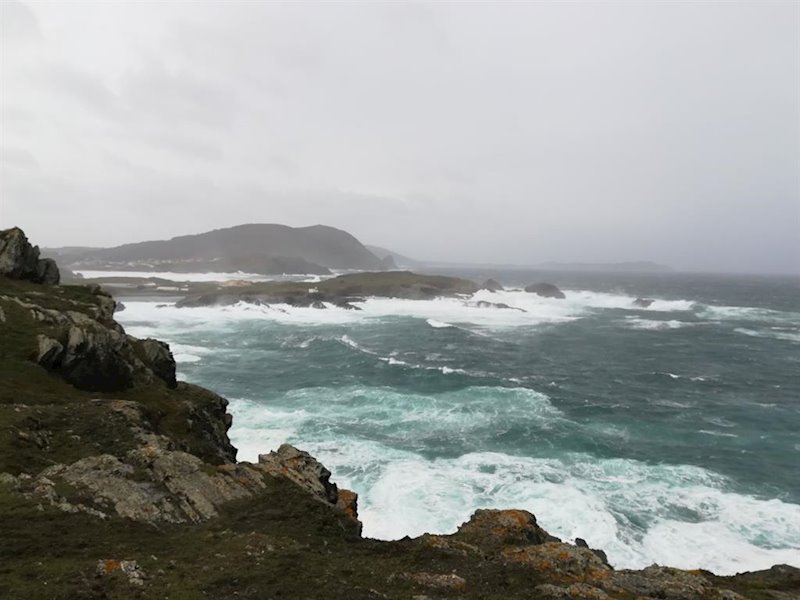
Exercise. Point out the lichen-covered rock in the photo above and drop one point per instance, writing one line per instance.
(562, 562)
(492, 530)
(311, 475)
(151, 485)
(576, 591)
(303, 469)
(663, 582)
(129, 568)
(347, 502)
(20, 260)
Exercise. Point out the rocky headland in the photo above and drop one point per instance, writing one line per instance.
(118, 481)
(263, 248)
(340, 291)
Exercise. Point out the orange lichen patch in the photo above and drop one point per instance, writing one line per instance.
(348, 503)
(560, 561)
(492, 529)
(109, 566)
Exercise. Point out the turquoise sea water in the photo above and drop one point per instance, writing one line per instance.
(669, 434)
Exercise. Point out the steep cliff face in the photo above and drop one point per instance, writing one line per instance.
(117, 481)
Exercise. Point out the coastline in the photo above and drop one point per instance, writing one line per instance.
(140, 483)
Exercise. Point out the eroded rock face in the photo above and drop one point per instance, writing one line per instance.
(20, 260)
(303, 469)
(158, 357)
(545, 290)
(155, 483)
(92, 352)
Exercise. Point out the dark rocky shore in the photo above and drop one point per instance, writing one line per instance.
(117, 481)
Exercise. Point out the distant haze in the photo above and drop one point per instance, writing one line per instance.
(471, 132)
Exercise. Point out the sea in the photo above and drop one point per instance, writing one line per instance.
(668, 434)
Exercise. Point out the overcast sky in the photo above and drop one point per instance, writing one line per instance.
(493, 133)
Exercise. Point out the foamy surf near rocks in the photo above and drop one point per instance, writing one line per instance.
(545, 290)
(492, 285)
(141, 488)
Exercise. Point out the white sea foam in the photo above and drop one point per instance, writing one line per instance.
(774, 333)
(438, 313)
(749, 313)
(639, 513)
(188, 353)
(638, 323)
(438, 324)
(717, 433)
(601, 300)
(373, 440)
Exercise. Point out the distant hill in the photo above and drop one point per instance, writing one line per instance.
(264, 248)
(400, 260)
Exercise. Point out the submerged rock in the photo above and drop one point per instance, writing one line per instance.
(388, 263)
(642, 302)
(545, 290)
(499, 305)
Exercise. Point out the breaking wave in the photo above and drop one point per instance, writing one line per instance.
(639, 513)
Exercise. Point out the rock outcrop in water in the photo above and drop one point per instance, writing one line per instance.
(492, 285)
(133, 491)
(339, 291)
(545, 290)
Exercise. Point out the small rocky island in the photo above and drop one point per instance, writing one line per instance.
(340, 291)
(118, 481)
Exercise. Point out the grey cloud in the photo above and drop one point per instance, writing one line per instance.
(17, 157)
(463, 132)
(18, 23)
